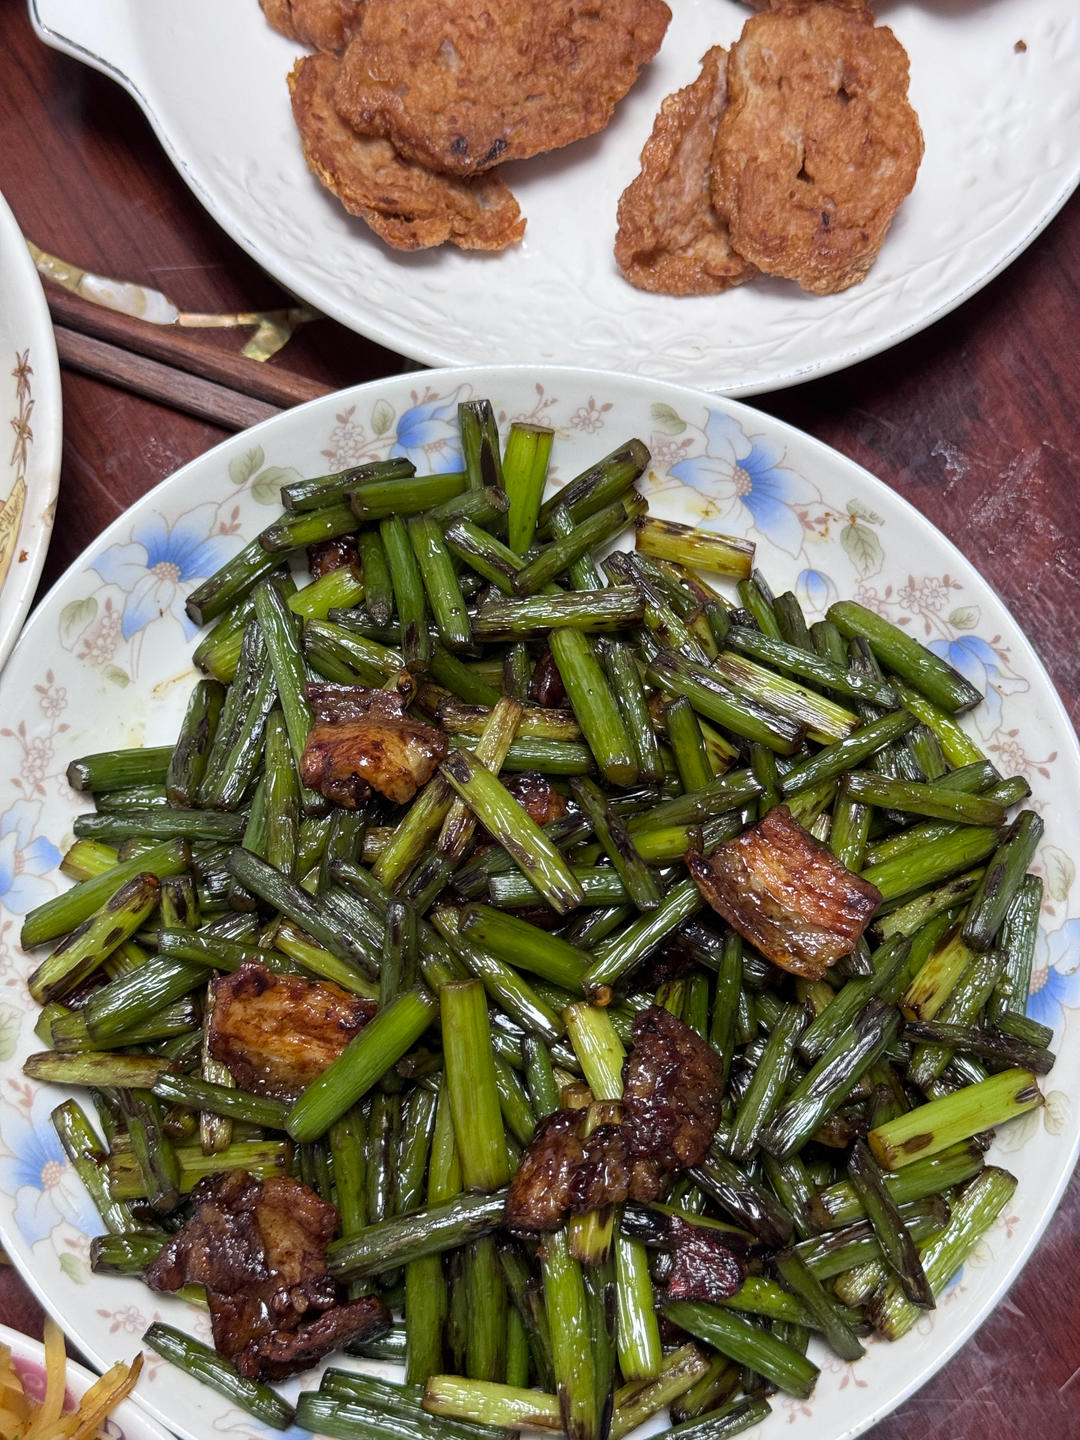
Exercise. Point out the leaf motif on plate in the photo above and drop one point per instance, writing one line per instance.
(982, 1255)
(266, 487)
(965, 617)
(74, 618)
(864, 548)
(1056, 1111)
(382, 417)
(1016, 1134)
(666, 418)
(1059, 872)
(74, 1268)
(116, 675)
(245, 466)
(9, 1032)
(862, 511)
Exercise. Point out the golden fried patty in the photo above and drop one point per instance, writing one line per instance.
(818, 145)
(409, 206)
(322, 24)
(671, 238)
(461, 85)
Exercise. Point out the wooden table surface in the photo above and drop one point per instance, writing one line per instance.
(973, 421)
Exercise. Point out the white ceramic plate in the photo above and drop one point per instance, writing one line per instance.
(126, 1422)
(30, 418)
(1002, 133)
(104, 662)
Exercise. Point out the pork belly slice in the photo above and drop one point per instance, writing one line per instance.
(669, 1114)
(259, 1248)
(337, 554)
(276, 1033)
(536, 795)
(563, 1171)
(672, 1089)
(540, 1189)
(364, 740)
(702, 1268)
(546, 687)
(787, 894)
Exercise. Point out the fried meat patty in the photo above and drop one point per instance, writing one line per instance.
(322, 24)
(671, 239)
(460, 86)
(409, 206)
(818, 144)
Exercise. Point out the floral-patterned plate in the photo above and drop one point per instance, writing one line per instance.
(30, 419)
(105, 662)
(127, 1422)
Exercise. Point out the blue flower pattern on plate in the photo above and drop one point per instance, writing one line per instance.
(25, 860)
(979, 663)
(1056, 981)
(428, 436)
(748, 484)
(815, 591)
(159, 562)
(39, 1176)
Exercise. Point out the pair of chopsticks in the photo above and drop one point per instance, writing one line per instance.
(171, 365)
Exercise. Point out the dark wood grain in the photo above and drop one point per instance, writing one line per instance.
(176, 389)
(973, 422)
(180, 348)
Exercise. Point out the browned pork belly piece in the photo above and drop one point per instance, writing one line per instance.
(330, 555)
(259, 1248)
(546, 687)
(818, 145)
(672, 1087)
(462, 85)
(564, 1171)
(670, 1111)
(540, 1189)
(276, 1033)
(322, 24)
(787, 894)
(364, 740)
(286, 1352)
(672, 239)
(702, 1267)
(536, 795)
(605, 1176)
(406, 204)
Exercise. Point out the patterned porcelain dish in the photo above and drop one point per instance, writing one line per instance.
(31, 421)
(996, 84)
(105, 662)
(127, 1422)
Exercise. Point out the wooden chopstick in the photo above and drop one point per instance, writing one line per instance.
(175, 388)
(182, 350)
